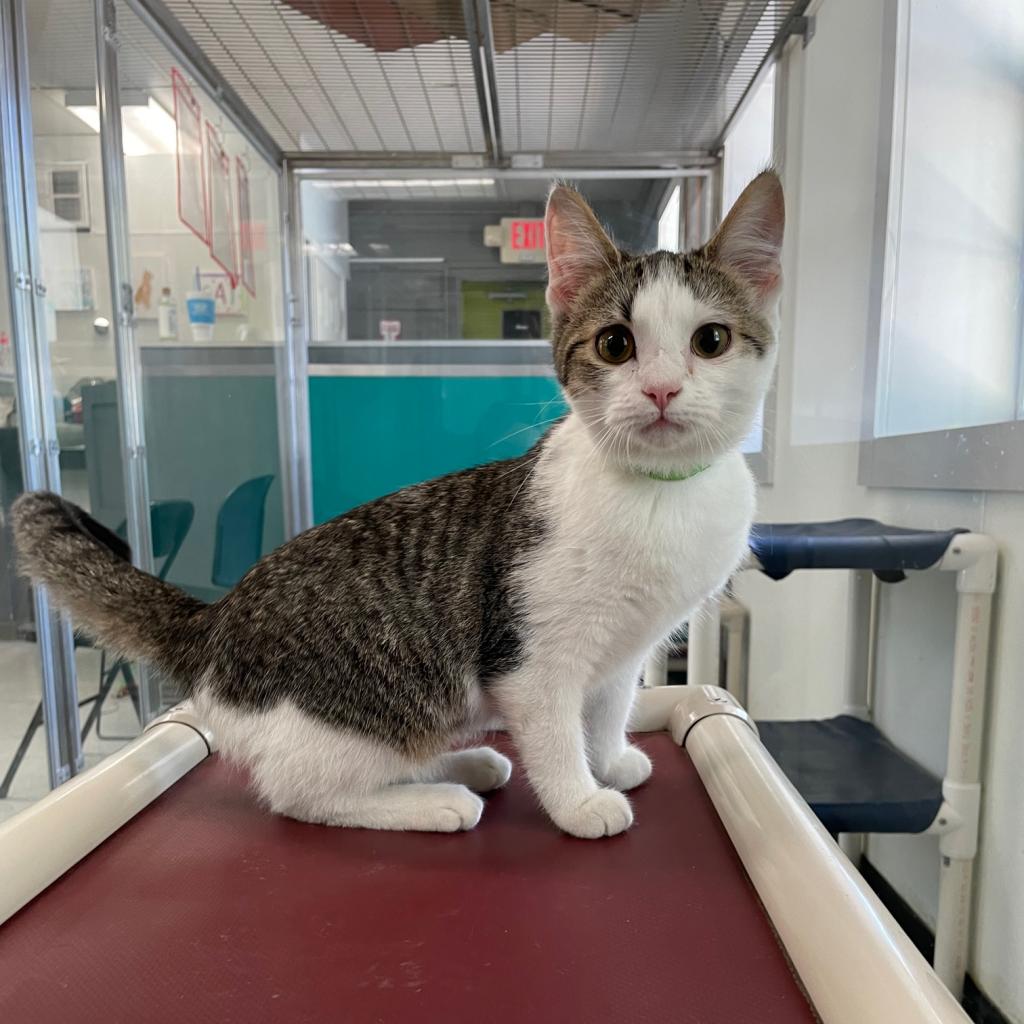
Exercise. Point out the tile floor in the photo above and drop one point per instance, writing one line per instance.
(19, 694)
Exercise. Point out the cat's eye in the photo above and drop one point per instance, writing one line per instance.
(710, 341)
(615, 344)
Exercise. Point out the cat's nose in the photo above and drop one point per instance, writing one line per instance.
(661, 394)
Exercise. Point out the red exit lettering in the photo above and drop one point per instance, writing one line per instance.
(527, 234)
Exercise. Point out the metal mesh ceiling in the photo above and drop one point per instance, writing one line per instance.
(632, 78)
(639, 76)
(62, 51)
(328, 75)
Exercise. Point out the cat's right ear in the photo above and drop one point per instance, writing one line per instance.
(577, 247)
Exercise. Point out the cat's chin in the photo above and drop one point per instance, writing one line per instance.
(671, 451)
(666, 441)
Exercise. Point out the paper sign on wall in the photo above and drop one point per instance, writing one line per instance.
(226, 298)
(191, 171)
(222, 220)
(246, 258)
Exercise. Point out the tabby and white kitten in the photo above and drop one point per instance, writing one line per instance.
(347, 665)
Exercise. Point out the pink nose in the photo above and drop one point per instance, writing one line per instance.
(661, 394)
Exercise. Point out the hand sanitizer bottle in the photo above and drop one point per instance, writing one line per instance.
(167, 316)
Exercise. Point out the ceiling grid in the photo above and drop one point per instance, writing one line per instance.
(610, 81)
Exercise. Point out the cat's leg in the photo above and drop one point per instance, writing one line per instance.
(615, 762)
(481, 769)
(408, 806)
(546, 722)
(401, 806)
(306, 769)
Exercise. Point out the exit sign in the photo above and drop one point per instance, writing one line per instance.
(526, 234)
(520, 240)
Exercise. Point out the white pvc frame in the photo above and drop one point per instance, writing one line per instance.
(851, 957)
(974, 559)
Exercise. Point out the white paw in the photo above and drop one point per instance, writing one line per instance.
(628, 771)
(481, 769)
(450, 809)
(604, 813)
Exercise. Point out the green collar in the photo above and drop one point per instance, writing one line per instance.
(652, 475)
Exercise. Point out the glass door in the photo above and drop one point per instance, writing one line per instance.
(75, 344)
(206, 282)
(24, 774)
(428, 327)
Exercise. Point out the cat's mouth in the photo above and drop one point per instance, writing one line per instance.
(663, 426)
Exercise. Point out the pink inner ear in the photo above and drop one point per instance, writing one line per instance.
(561, 283)
(577, 247)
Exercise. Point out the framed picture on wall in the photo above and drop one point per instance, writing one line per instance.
(150, 273)
(222, 214)
(246, 255)
(191, 170)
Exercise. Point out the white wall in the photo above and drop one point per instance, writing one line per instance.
(833, 148)
(155, 230)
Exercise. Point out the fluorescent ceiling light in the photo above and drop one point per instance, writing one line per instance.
(146, 129)
(397, 183)
(345, 248)
(90, 115)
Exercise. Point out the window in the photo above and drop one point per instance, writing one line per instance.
(951, 324)
(64, 192)
(747, 152)
(668, 223)
(748, 146)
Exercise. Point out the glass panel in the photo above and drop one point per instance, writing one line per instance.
(668, 223)
(206, 273)
(748, 147)
(429, 326)
(947, 362)
(75, 329)
(20, 671)
(748, 151)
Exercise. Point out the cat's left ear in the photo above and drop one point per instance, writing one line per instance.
(577, 247)
(749, 240)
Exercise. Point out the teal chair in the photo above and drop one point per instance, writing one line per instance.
(238, 543)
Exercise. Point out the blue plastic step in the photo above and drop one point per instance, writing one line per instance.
(854, 779)
(782, 548)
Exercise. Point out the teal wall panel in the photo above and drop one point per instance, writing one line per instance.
(204, 437)
(375, 435)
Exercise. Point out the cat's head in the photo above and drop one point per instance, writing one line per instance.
(666, 356)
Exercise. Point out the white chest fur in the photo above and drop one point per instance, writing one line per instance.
(626, 558)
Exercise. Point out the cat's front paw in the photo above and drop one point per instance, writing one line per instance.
(604, 813)
(631, 768)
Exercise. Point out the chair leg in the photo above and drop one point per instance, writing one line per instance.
(125, 669)
(107, 677)
(19, 754)
(133, 689)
